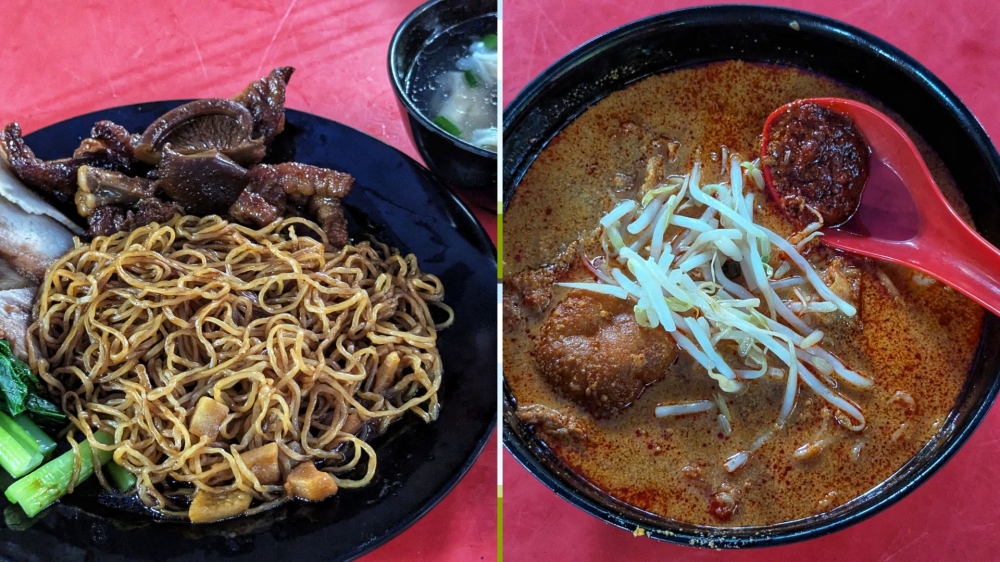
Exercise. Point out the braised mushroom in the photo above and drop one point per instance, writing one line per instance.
(204, 183)
(200, 158)
(200, 126)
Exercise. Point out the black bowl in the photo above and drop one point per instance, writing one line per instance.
(399, 202)
(458, 163)
(702, 35)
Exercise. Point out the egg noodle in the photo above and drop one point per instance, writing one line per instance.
(293, 336)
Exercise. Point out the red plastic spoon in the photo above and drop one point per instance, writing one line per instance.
(903, 218)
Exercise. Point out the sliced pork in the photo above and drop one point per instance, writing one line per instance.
(15, 310)
(34, 234)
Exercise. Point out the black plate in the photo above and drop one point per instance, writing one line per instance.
(760, 34)
(401, 203)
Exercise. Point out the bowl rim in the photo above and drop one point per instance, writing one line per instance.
(399, 88)
(815, 24)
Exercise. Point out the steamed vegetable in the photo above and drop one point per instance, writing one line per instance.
(123, 479)
(50, 481)
(19, 452)
(20, 390)
(23, 445)
(45, 443)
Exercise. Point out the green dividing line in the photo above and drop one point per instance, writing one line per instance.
(499, 523)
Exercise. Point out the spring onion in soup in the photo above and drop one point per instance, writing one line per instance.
(447, 125)
(467, 106)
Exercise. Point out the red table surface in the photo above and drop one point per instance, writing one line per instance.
(954, 515)
(61, 59)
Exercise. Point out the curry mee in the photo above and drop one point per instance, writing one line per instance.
(685, 342)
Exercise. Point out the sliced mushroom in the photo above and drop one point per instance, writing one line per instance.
(265, 98)
(203, 125)
(203, 184)
(97, 188)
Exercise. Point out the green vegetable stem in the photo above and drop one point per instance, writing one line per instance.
(49, 482)
(19, 452)
(123, 479)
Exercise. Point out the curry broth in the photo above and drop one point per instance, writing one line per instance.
(921, 341)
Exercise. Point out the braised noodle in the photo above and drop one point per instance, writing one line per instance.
(289, 333)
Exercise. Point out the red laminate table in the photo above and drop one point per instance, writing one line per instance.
(956, 514)
(61, 59)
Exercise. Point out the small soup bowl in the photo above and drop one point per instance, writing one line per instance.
(458, 163)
